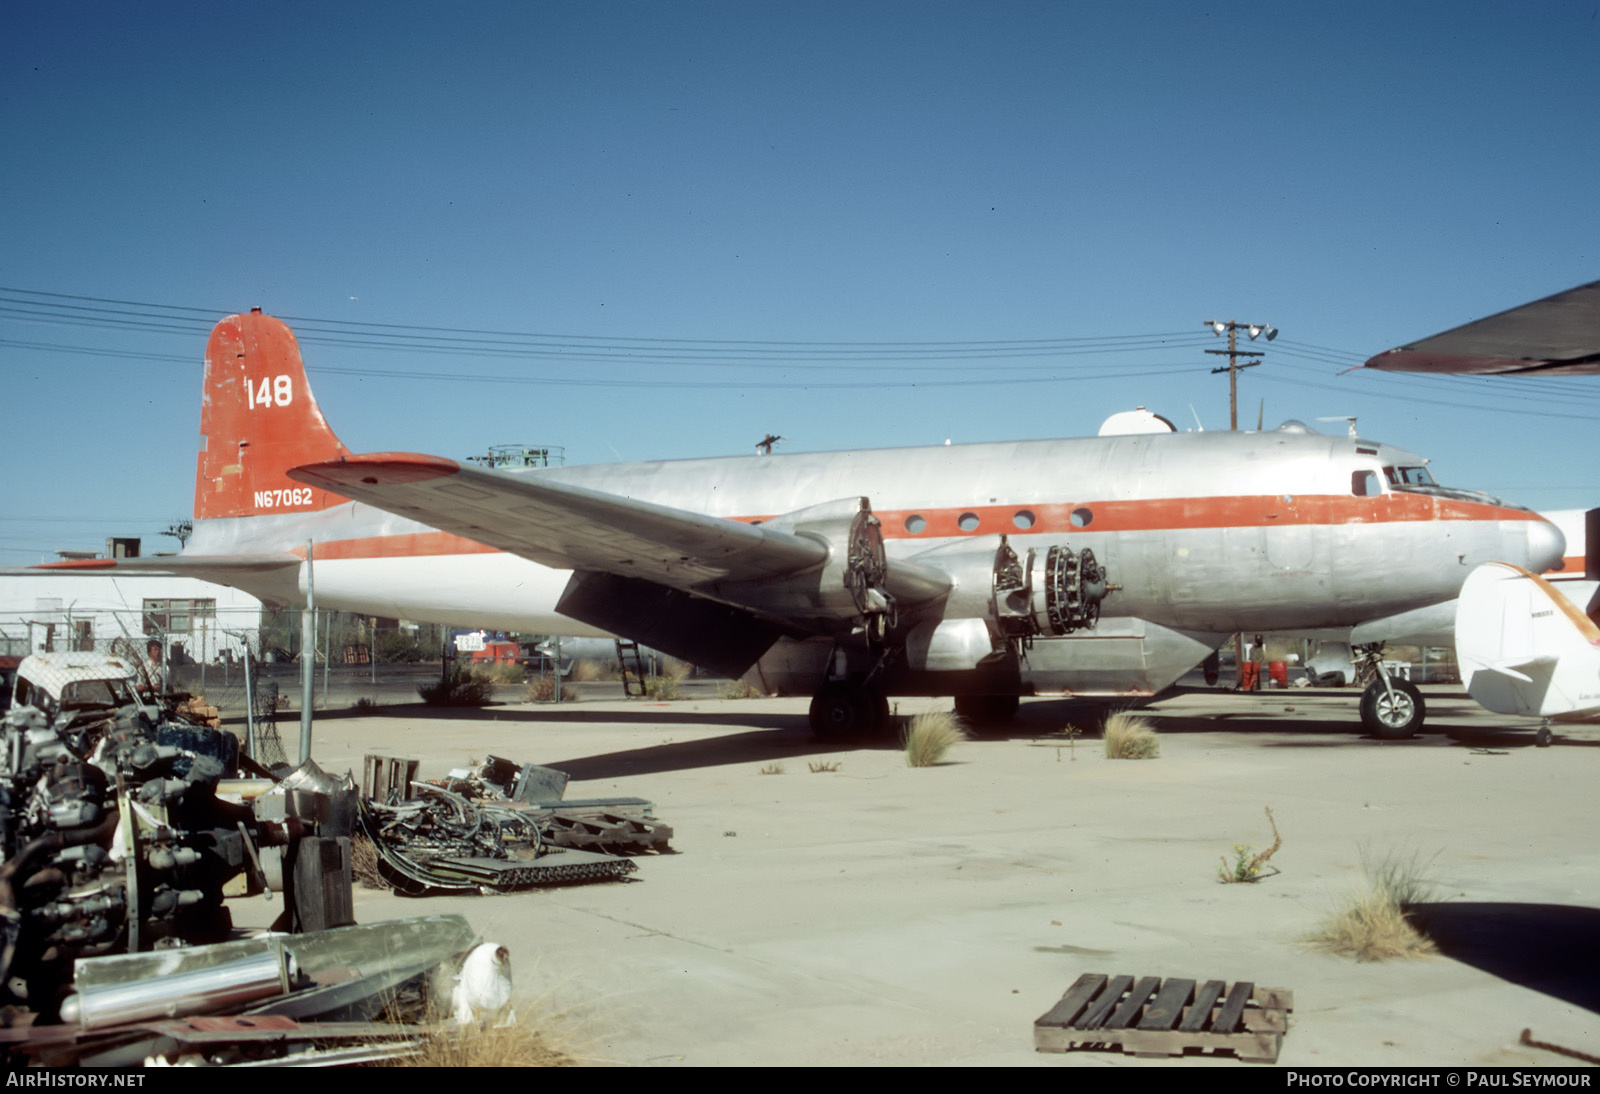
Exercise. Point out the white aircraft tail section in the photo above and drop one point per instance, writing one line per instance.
(1523, 647)
(257, 420)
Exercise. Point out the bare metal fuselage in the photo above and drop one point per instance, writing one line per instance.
(1201, 534)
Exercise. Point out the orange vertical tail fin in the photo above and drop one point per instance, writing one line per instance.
(257, 420)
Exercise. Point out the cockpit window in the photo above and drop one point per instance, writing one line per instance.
(1364, 484)
(1408, 476)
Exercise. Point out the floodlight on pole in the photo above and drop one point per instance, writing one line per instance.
(1233, 352)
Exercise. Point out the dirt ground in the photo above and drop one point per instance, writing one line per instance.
(879, 914)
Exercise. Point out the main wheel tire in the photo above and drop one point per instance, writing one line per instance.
(1392, 716)
(842, 713)
(987, 712)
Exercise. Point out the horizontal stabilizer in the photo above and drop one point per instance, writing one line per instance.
(205, 567)
(1524, 648)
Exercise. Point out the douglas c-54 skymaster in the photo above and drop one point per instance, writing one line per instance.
(1102, 566)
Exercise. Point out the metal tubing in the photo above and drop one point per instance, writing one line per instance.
(201, 991)
(308, 657)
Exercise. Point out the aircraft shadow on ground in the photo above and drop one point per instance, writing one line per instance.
(564, 714)
(793, 740)
(1549, 948)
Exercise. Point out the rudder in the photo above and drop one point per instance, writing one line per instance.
(258, 418)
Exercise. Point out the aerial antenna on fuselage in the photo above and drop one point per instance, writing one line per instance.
(764, 445)
(1351, 418)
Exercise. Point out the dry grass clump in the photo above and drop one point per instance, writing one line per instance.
(932, 735)
(366, 703)
(587, 670)
(1129, 737)
(364, 862)
(821, 767)
(771, 769)
(473, 1046)
(1376, 924)
(509, 1047)
(542, 689)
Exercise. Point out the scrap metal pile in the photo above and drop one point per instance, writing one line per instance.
(504, 827)
(340, 996)
(112, 832)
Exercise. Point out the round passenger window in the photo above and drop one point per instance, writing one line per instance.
(968, 522)
(915, 524)
(1081, 517)
(1023, 519)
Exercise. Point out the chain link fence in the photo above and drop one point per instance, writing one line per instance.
(241, 667)
(247, 663)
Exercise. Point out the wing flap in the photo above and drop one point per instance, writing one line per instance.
(565, 526)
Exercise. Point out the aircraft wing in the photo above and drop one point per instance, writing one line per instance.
(564, 526)
(1556, 336)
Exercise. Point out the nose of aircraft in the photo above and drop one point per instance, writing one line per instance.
(1546, 545)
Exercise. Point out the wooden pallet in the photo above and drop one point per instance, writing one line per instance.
(1166, 1018)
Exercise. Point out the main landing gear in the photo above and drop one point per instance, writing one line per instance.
(987, 713)
(845, 712)
(1391, 708)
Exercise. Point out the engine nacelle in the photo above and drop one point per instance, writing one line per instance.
(1056, 591)
(998, 597)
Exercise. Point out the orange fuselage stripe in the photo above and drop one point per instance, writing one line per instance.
(1255, 511)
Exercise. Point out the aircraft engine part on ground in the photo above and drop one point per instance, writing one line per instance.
(504, 827)
(341, 996)
(112, 831)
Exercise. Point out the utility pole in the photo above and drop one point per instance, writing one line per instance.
(1233, 353)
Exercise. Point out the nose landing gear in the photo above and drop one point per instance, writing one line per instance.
(1391, 709)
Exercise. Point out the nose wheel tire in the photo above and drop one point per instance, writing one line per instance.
(1393, 713)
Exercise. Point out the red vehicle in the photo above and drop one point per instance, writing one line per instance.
(497, 652)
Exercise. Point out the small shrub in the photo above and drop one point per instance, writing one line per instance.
(738, 689)
(1247, 863)
(366, 703)
(819, 767)
(460, 689)
(1129, 737)
(400, 648)
(930, 736)
(1376, 924)
(771, 769)
(504, 672)
(542, 689)
(661, 687)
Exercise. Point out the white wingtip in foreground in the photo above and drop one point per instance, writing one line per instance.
(1523, 647)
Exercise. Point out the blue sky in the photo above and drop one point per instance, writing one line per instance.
(757, 179)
